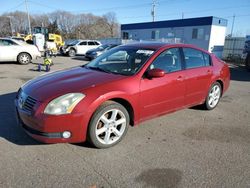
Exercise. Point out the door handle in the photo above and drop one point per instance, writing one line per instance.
(179, 78)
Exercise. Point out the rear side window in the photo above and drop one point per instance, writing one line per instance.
(91, 43)
(207, 59)
(96, 43)
(7, 42)
(195, 58)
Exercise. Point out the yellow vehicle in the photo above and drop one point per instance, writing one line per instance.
(48, 36)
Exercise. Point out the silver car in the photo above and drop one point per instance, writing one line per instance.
(14, 50)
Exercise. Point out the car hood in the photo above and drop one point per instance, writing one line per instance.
(59, 83)
(95, 50)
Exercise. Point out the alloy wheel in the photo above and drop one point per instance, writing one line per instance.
(110, 127)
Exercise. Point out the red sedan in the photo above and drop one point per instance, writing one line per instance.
(122, 87)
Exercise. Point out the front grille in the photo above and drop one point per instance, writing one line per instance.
(29, 103)
(25, 102)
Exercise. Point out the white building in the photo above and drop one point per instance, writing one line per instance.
(204, 32)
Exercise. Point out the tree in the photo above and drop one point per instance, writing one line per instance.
(5, 26)
(53, 28)
(112, 23)
(84, 26)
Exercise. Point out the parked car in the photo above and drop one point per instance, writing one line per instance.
(18, 38)
(79, 47)
(93, 53)
(13, 50)
(112, 92)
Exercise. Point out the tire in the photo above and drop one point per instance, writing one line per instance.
(108, 125)
(72, 52)
(213, 96)
(24, 58)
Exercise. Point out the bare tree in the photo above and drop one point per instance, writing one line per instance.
(112, 23)
(5, 26)
(85, 26)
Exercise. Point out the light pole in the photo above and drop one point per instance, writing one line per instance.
(153, 9)
(28, 16)
(232, 29)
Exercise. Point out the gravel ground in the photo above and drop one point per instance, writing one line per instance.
(189, 148)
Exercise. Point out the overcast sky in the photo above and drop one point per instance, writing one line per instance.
(131, 11)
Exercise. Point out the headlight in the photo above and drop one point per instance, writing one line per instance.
(98, 53)
(64, 104)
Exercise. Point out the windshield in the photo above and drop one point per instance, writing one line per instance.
(102, 47)
(74, 42)
(121, 60)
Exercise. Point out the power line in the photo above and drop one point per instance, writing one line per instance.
(15, 7)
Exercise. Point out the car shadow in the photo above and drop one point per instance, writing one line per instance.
(82, 58)
(9, 63)
(9, 128)
(239, 73)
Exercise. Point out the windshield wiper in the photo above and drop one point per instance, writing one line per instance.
(98, 69)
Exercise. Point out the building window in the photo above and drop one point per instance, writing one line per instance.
(155, 35)
(198, 33)
(125, 35)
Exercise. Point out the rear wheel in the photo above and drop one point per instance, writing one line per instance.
(108, 125)
(72, 52)
(213, 96)
(24, 58)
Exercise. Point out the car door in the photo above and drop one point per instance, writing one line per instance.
(91, 45)
(8, 50)
(164, 94)
(198, 74)
(81, 47)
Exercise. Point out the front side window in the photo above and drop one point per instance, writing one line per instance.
(83, 43)
(122, 60)
(169, 61)
(193, 58)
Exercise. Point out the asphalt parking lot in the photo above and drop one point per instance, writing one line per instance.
(188, 148)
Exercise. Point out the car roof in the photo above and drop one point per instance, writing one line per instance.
(158, 45)
(88, 40)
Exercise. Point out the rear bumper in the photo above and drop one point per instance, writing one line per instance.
(49, 129)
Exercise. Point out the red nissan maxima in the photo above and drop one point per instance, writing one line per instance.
(124, 86)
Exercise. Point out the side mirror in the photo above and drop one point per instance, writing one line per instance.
(155, 73)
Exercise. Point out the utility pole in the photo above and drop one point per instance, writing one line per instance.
(182, 15)
(28, 16)
(153, 9)
(232, 29)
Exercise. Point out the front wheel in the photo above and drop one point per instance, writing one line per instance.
(108, 125)
(213, 96)
(72, 52)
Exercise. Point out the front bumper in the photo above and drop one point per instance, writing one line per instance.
(91, 56)
(49, 128)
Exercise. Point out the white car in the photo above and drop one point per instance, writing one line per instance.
(80, 47)
(14, 50)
